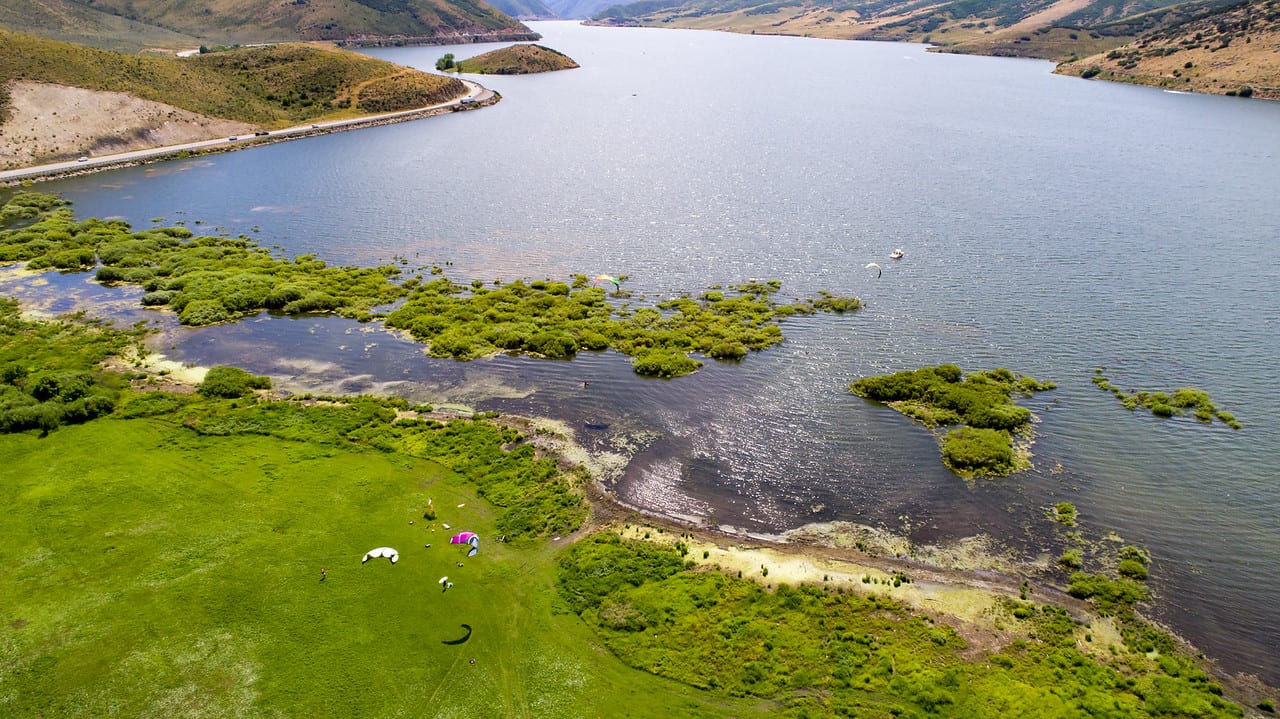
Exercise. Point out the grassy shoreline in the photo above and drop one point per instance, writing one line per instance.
(131, 580)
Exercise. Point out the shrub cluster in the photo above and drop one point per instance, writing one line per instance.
(981, 402)
(556, 320)
(1182, 401)
(206, 280)
(50, 373)
(224, 382)
(819, 652)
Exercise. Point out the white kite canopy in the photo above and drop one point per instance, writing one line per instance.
(387, 552)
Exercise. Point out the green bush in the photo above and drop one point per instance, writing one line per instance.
(1133, 569)
(665, 364)
(108, 275)
(1091, 72)
(64, 386)
(1110, 595)
(457, 344)
(199, 313)
(1135, 554)
(155, 299)
(225, 382)
(1071, 559)
(728, 351)
(978, 451)
(552, 344)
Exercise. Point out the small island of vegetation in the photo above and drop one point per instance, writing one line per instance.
(1161, 404)
(514, 60)
(977, 407)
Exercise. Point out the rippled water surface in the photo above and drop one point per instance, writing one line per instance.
(1051, 225)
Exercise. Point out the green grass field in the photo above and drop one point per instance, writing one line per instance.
(151, 571)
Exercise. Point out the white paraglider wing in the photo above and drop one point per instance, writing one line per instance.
(387, 552)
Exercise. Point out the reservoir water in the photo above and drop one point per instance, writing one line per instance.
(1051, 225)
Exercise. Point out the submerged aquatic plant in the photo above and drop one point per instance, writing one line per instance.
(1183, 401)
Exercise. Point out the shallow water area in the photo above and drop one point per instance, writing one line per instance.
(1050, 225)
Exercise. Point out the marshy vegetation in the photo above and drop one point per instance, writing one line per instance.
(977, 407)
(315, 480)
(50, 371)
(556, 320)
(821, 651)
(1181, 402)
(208, 280)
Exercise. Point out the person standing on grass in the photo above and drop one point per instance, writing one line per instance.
(323, 573)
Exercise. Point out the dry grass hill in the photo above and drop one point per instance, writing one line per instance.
(1219, 46)
(130, 25)
(517, 60)
(1231, 51)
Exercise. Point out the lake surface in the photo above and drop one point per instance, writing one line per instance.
(1051, 225)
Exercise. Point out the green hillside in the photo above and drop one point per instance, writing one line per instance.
(271, 86)
(133, 24)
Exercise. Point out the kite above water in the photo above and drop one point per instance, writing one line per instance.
(878, 270)
(469, 538)
(607, 278)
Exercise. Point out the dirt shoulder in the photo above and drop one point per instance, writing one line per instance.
(51, 123)
(476, 98)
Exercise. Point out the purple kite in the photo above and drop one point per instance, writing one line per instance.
(469, 538)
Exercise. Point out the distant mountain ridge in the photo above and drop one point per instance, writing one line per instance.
(997, 27)
(164, 23)
(1217, 46)
(525, 9)
(580, 9)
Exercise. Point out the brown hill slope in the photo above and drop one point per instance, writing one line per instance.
(1233, 51)
(1031, 28)
(175, 24)
(71, 21)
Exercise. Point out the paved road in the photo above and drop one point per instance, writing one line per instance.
(476, 93)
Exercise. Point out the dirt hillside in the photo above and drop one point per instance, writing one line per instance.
(51, 123)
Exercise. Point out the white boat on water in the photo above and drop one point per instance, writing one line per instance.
(896, 254)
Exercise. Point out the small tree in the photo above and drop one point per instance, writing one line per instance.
(446, 62)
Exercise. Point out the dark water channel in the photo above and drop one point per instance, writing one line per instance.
(1051, 225)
